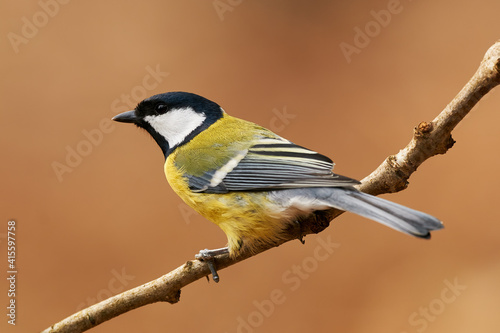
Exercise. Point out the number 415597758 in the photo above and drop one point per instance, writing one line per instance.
(11, 244)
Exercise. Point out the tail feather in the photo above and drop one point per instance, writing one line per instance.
(391, 214)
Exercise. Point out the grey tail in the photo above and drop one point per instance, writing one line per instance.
(391, 214)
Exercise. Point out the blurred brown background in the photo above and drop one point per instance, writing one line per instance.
(95, 215)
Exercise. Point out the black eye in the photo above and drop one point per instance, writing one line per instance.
(160, 108)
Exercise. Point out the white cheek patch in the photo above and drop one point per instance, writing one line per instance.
(176, 125)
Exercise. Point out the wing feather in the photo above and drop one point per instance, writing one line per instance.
(271, 164)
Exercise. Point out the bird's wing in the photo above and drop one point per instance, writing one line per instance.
(269, 164)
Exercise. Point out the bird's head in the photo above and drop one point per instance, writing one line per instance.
(173, 118)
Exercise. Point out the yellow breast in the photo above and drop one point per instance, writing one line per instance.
(247, 218)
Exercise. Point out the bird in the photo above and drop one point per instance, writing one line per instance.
(249, 181)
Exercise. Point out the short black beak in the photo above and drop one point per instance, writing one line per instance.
(126, 117)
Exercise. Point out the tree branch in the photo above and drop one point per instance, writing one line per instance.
(429, 139)
(432, 138)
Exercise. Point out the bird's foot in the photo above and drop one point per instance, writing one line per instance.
(208, 256)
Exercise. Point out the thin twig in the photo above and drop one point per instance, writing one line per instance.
(429, 139)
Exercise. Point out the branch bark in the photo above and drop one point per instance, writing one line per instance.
(429, 139)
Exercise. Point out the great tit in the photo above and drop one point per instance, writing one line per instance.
(249, 181)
